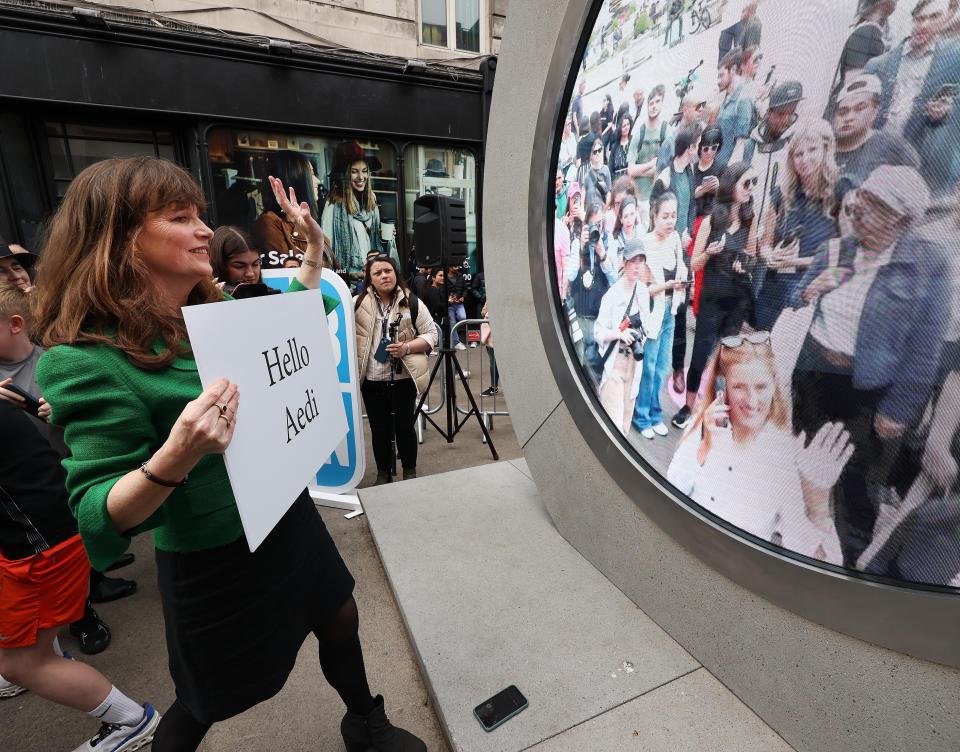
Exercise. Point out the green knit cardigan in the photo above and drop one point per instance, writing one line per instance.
(115, 416)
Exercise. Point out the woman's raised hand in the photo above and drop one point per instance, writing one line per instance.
(821, 463)
(298, 213)
(206, 424)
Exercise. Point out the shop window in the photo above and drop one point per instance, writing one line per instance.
(447, 172)
(241, 160)
(74, 147)
(454, 24)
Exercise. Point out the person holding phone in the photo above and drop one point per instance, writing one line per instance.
(395, 332)
(740, 460)
(146, 442)
(800, 222)
(723, 252)
(668, 276)
(920, 78)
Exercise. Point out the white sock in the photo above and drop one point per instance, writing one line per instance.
(119, 709)
(56, 647)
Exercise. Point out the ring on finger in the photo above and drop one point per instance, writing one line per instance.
(224, 417)
(222, 408)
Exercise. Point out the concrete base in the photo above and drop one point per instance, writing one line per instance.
(492, 595)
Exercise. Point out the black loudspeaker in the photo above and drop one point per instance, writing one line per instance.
(440, 230)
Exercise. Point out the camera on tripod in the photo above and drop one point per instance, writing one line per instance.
(636, 347)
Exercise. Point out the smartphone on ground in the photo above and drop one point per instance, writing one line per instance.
(500, 708)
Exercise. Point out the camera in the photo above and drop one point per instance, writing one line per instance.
(636, 348)
(595, 232)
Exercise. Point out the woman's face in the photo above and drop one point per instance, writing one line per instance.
(13, 273)
(625, 128)
(750, 391)
(666, 218)
(244, 267)
(359, 175)
(635, 270)
(438, 279)
(807, 158)
(173, 243)
(382, 277)
(628, 217)
(743, 191)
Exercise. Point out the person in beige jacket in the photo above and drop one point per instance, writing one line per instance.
(395, 332)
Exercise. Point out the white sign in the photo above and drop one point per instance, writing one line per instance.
(277, 350)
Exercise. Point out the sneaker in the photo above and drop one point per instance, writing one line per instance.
(473, 345)
(9, 689)
(115, 738)
(682, 418)
(459, 346)
(648, 433)
(490, 391)
(661, 430)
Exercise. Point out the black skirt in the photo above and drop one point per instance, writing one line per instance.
(235, 621)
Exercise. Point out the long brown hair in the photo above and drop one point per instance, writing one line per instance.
(227, 242)
(93, 287)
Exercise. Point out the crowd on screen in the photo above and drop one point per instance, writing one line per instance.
(788, 274)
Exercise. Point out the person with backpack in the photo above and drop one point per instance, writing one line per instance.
(394, 335)
(647, 138)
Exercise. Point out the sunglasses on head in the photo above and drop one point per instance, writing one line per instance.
(751, 182)
(752, 338)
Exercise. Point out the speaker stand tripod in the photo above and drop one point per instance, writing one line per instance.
(447, 359)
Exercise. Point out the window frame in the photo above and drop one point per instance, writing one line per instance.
(451, 45)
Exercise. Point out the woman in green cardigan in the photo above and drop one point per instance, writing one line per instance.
(125, 251)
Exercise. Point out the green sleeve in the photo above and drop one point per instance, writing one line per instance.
(109, 432)
(329, 303)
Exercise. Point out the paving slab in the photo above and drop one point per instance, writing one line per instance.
(690, 714)
(492, 596)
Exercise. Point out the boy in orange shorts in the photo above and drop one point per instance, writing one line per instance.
(44, 576)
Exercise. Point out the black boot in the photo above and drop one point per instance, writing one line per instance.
(362, 733)
(93, 634)
(104, 589)
(383, 476)
(409, 473)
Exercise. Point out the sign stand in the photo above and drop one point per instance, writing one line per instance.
(338, 501)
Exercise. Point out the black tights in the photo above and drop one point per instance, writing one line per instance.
(341, 659)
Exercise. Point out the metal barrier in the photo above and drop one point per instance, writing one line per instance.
(465, 330)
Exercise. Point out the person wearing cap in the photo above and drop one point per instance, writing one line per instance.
(693, 111)
(15, 266)
(860, 147)
(921, 77)
(615, 335)
(351, 217)
(871, 357)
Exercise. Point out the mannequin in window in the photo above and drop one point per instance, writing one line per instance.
(351, 217)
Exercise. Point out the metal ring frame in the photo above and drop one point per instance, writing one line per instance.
(914, 619)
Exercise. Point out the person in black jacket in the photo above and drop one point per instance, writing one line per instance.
(45, 575)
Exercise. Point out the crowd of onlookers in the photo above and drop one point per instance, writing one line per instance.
(788, 274)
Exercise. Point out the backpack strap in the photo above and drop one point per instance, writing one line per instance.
(414, 302)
